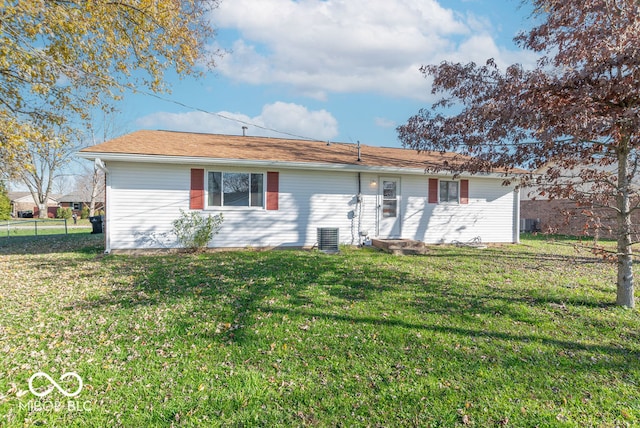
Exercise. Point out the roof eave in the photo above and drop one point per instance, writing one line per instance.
(317, 166)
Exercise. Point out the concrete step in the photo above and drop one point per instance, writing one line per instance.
(400, 246)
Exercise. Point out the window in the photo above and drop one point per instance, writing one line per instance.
(448, 191)
(235, 189)
(389, 199)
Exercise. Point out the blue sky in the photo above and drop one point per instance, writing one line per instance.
(338, 70)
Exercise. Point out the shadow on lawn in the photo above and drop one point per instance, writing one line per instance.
(466, 332)
(85, 243)
(532, 256)
(234, 287)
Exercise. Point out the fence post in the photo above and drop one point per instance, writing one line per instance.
(35, 223)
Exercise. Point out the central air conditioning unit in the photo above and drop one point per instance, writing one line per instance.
(328, 239)
(529, 225)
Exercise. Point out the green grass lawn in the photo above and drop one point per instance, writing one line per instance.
(36, 227)
(513, 335)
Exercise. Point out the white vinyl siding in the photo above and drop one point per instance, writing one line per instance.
(489, 214)
(143, 199)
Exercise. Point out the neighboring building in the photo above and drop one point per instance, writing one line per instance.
(76, 201)
(278, 192)
(539, 213)
(22, 205)
(564, 217)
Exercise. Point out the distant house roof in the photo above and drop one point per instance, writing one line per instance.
(80, 197)
(170, 146)
(72, 197)
(16, 196)
(26, 197)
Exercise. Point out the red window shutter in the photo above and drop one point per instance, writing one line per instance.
(433, 190)
(196, 193)
(273, 185)
(464, 191)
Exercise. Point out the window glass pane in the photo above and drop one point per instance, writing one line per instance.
(236, 189)
(448, 191)
(453, 191)
(256, 190)
(215, 189)
(389, 208)
(444, 191)
(389, 189)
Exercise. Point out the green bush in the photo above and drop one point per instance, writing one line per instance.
(85, 212)
(5, 204)
(194, 231)
(64, 213)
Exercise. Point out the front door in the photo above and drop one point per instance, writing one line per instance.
(389, 208)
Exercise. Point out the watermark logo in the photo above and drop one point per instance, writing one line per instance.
(46, 405)
(55, 385)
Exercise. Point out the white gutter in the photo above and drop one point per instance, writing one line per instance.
(194, 160)
(100, 165)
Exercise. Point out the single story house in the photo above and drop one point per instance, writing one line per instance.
(22, 205)
(77, 200)
(277, 192)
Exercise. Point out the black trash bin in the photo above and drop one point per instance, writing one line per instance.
(96, 223)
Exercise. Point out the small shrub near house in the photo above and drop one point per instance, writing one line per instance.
(85, 212)
(64, 213)
(194, 231)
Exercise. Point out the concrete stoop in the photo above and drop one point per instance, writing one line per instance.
(400, 247)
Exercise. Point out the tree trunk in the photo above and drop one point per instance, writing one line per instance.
(625, 293)
(95, 187)
(43, 210)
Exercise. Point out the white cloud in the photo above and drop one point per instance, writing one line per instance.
(294, 119)
(385, 123)
(322, 46)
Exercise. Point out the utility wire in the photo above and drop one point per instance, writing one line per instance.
(70, 69)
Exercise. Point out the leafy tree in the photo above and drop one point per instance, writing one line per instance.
(61, 59)
(577, 110)
(5, 203)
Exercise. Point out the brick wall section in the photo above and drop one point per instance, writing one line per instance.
(566, 218)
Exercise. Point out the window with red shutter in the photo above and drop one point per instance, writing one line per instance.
(433, 191)
(196, 193)
(464, 191)
(273, 186)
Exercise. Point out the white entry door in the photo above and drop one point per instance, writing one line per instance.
(389, 208)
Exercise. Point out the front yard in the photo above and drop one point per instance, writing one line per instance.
(514, 335)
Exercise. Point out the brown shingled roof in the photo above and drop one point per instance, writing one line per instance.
(215, 146)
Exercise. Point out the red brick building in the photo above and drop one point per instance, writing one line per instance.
(564, 217)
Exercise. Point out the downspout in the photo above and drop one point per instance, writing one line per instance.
(358, 209)
(516, 215)
(106, 229)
